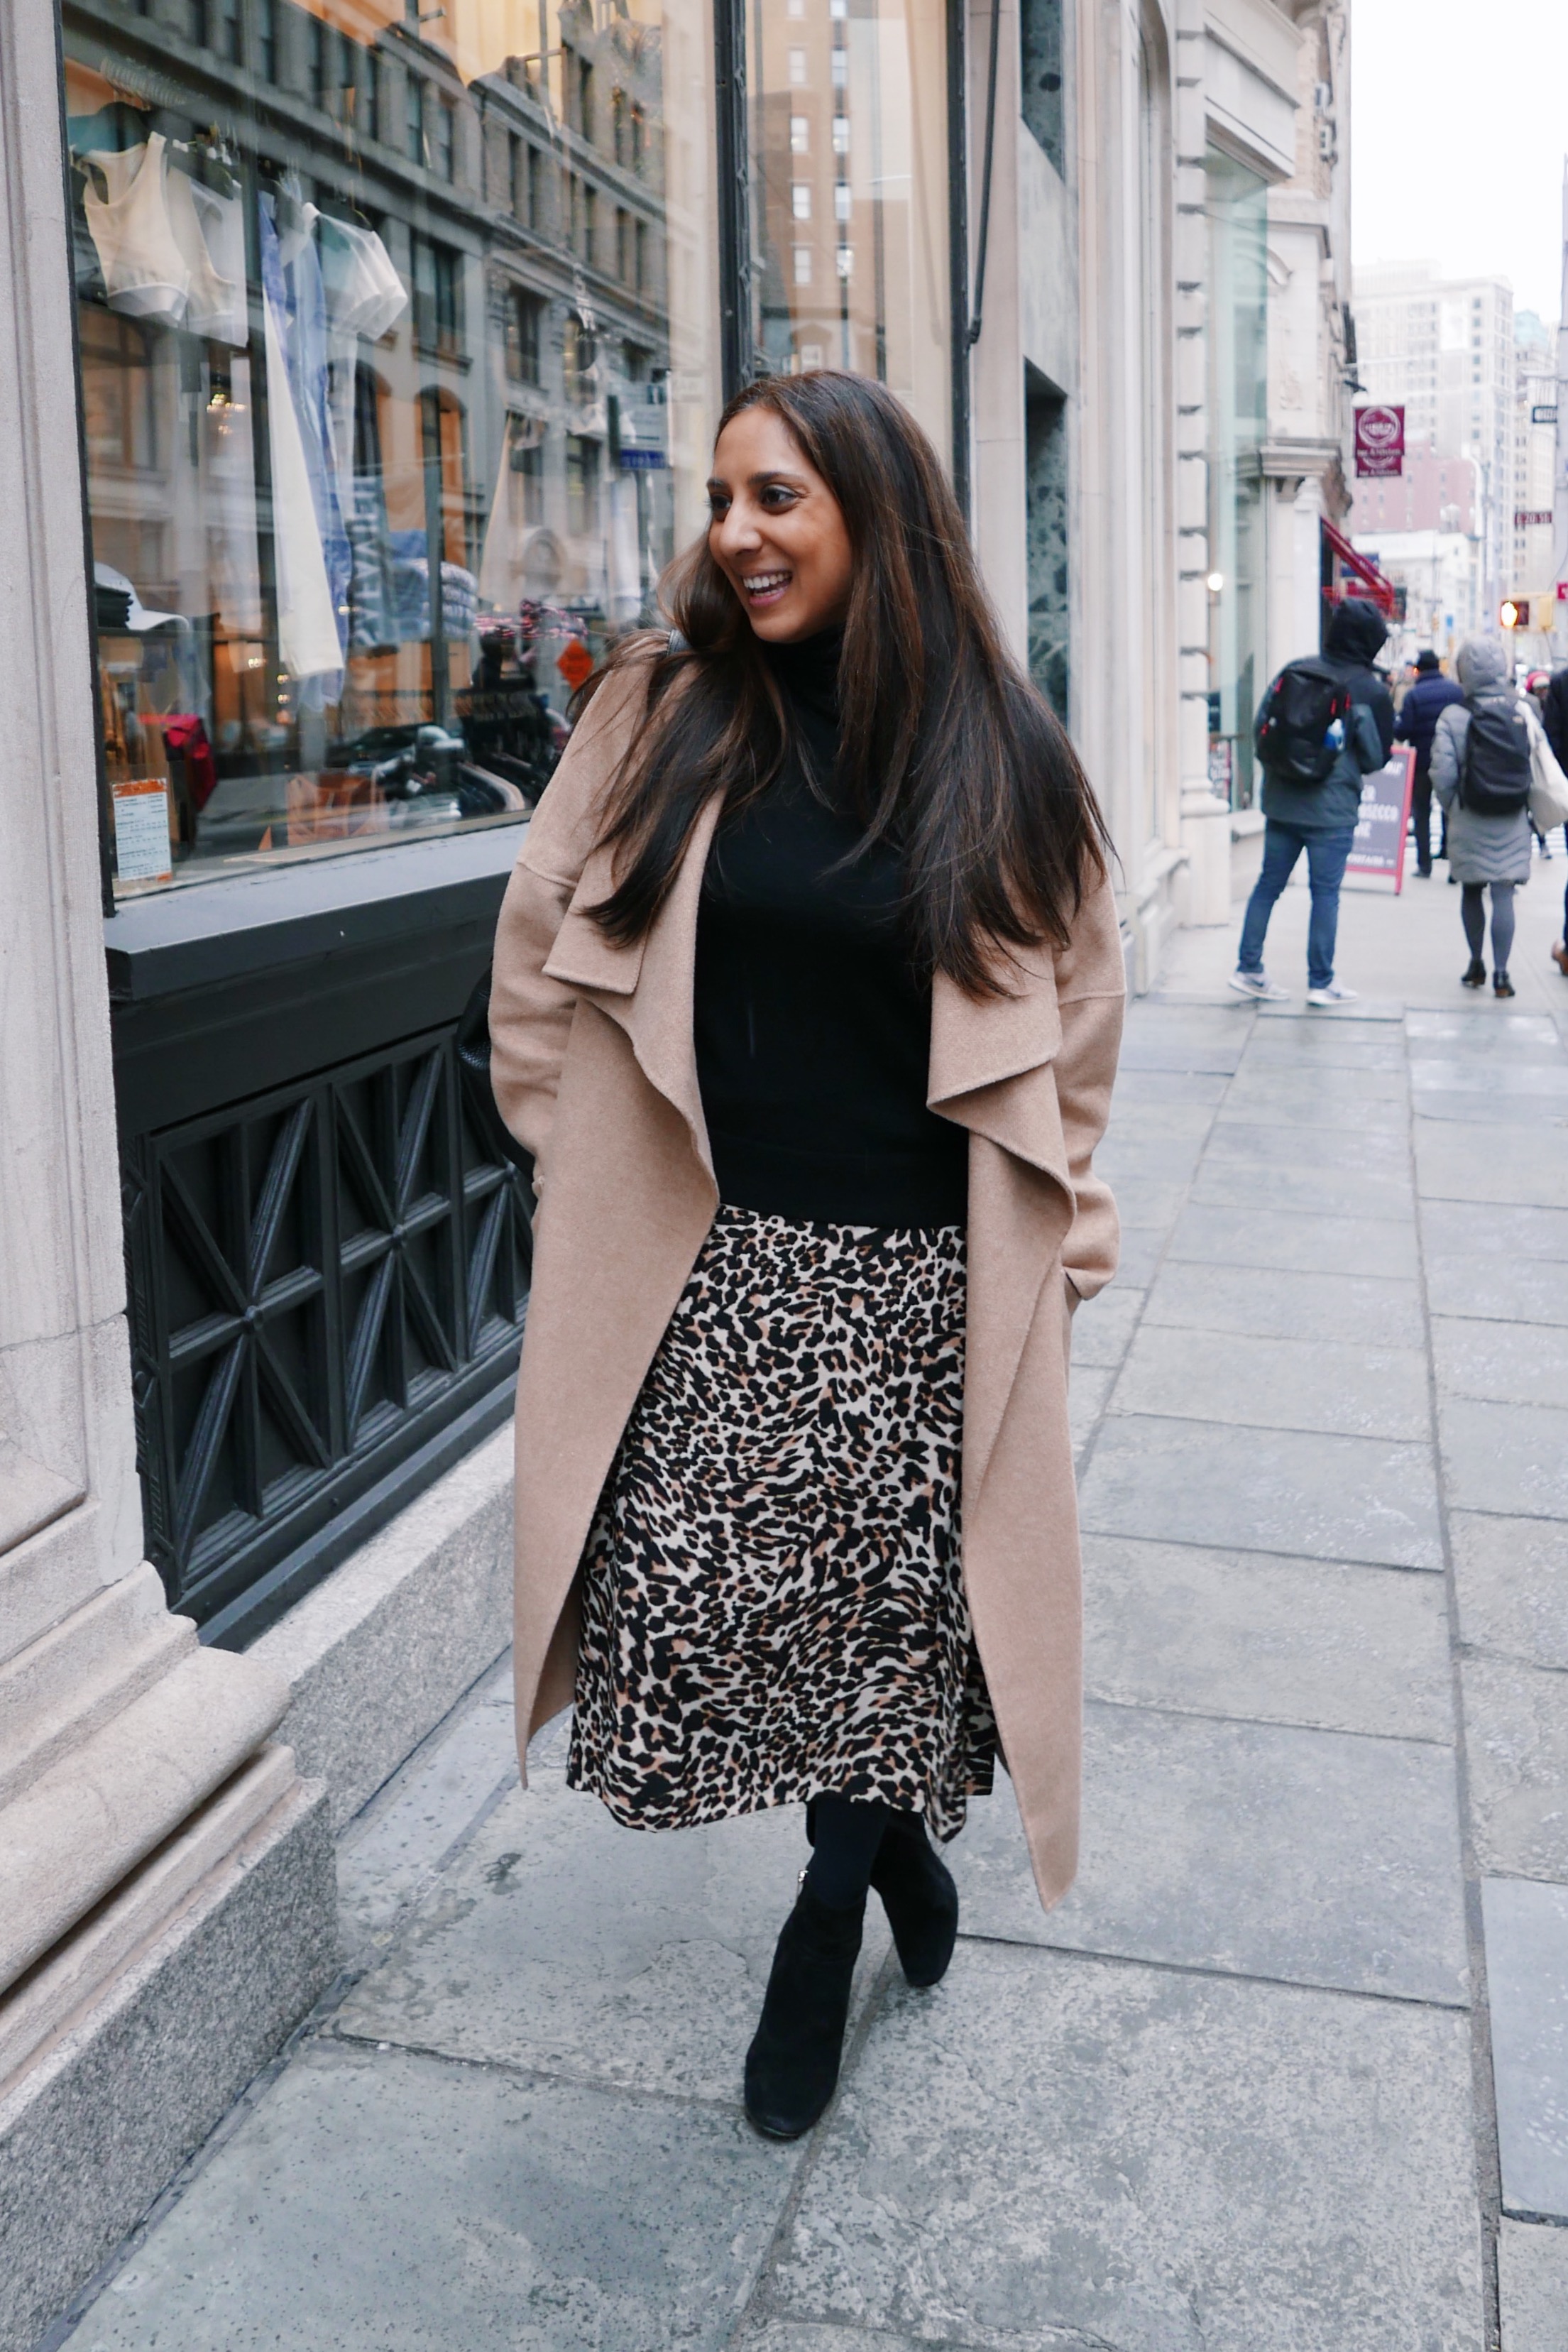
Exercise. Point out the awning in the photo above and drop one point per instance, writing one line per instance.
(1381, 590)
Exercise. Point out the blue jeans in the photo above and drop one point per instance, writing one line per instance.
(1326, 856)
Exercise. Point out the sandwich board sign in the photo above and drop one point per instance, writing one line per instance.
(1380, 836)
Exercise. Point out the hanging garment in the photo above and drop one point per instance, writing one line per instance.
(170, 250)
(364, 294)
(146, 273)
(297, 316)
(308, 637)
(372, 596)
(218, 307)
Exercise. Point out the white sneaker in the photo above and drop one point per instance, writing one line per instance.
(1258, 984)
(1333, 994)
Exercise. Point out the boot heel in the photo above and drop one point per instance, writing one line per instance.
(792, 2065)
(921, 1900)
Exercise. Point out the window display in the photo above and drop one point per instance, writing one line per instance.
(398, 365)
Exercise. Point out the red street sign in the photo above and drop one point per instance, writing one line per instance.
(574, 662)
(1530, 517)
(1562, 592)
(1379, 441)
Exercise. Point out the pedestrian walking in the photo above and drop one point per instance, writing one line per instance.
(1323, 724)
(806, 997)
(1554, 720)
(1430, 694)
(1482, 772)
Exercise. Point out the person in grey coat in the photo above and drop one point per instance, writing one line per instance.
(1483, 851)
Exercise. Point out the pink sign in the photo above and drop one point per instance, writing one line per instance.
(1379, 441)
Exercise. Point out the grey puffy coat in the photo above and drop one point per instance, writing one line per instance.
(1481, 848)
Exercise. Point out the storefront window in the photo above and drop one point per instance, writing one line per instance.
(399, 372)
(849, 194)
(1238, 413)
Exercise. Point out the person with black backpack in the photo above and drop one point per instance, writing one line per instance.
(1429, 695)
(1324, 724)
(1482, 773)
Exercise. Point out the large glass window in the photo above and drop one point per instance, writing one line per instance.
(849, 194)
(1238, 418)
(398, 370)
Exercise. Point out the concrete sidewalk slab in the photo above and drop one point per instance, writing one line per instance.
(1516, 1724)
(1520, 1166)
(1498, 1362)
(1511, 1579)
(560, 1941)
(1307, 1857)
(1532, 2280)
(1453, 1229)
(1229, 1181)
(1505, 1457)
(1146, 2160)
(1527, 1983)
(1250, 1381)
(1269, 1239)
(1284, 1641)
(387, 2202)
(1351, 1498)
(1516, 1290)
(1102, 1328)
(1370, 1310)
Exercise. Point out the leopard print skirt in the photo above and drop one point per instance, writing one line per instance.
(772, 1599)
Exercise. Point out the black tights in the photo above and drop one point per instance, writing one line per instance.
(1472, 914)
(846, 1833)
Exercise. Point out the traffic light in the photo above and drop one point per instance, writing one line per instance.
(1515, 613)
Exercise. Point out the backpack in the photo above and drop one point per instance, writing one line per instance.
(1303, 723)
(1495, 774)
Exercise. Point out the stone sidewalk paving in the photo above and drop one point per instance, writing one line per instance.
(1237, 2094)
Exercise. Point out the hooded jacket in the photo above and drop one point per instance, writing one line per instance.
(1481, 848)
(1423, 706)
(1355, 633)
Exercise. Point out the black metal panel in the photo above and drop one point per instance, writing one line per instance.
(322, 1278)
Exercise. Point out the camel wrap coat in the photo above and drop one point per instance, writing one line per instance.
(594, 1069)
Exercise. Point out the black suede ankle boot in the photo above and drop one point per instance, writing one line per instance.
(921, 1901)
(793, 2061)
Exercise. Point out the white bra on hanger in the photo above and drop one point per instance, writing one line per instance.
(155, 259)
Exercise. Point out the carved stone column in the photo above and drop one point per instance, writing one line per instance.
(165, 1879)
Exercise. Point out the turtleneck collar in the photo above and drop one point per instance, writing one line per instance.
(808, 670)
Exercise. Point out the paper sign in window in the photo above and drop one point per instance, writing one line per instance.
(141, 851)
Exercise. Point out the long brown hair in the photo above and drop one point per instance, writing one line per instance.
(946, 749)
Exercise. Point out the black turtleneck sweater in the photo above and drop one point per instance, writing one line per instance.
(813, 1029)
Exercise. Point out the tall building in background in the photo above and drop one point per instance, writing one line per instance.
(1444, 349)
(1529, 569)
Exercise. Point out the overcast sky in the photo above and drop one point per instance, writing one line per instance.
(1459, 126)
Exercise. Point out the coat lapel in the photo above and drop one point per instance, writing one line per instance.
(646, 988)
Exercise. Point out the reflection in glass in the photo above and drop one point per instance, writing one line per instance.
(397, 374)
(849, 194)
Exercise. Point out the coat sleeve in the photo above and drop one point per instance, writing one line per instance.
(1448, 742)
(530, 1014)
(1091, 998)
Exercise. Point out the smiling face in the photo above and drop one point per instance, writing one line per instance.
(778, 533)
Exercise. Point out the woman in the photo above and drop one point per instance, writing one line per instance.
(807, 996)
(1483, 848)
